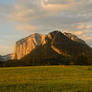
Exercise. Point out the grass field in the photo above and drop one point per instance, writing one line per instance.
(46, 79)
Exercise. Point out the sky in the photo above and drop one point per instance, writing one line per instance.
(20, 18)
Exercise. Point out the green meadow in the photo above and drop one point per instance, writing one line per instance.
(46, 79)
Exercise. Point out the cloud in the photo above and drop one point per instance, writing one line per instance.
(55, 8)
(20, 14)
(84, 26)
(81, 26)
(5, 9)
(52, 13)
(79, 32)
(5, 49)
(26, 27)
(87, 37)
(28, 10)
(69, 15)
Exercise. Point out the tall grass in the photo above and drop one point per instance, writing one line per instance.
(46, 79)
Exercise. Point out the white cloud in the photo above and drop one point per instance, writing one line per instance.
(26, 27)
(83, 26)
(79, 32)
(55, 8)
(72, 15)
(87, 37)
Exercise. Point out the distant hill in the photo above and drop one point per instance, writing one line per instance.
(1, 59)
(5, 57)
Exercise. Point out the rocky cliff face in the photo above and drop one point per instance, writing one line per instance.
(26, 45)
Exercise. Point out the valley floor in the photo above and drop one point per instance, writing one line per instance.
(46, 79)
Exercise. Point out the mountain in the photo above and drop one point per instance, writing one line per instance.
(54, 48)
(1, 59)
(59, 48)
(5, 57)
(26, 45)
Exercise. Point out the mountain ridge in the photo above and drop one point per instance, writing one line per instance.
(54, 48)
(26, 45)
(59, 49)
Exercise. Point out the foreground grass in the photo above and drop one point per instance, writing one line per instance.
(46, 79)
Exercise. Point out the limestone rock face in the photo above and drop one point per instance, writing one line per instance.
(26, 45)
